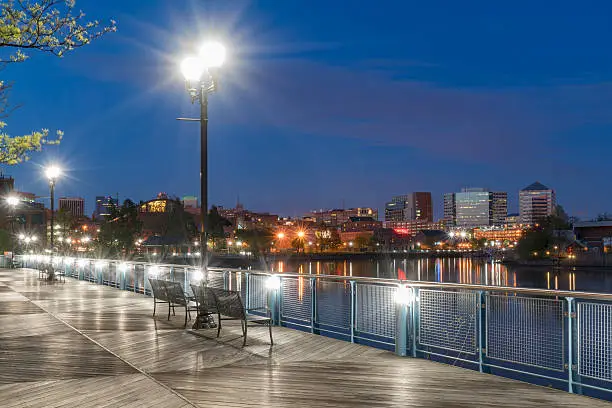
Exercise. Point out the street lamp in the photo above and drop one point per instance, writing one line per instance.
(200, 81)
(52, 174)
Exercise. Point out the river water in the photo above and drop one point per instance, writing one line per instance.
(461, 270)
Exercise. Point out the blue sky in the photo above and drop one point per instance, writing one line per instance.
(324, 103)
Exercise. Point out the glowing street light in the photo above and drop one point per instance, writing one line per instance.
(52, 173)
(12, 201)
(301, 234)
(200, 81)
(280, 235)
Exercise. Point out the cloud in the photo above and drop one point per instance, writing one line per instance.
(307, 97)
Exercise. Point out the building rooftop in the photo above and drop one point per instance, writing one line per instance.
(537, 186)
(591, 224)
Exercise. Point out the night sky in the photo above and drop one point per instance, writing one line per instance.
(325, 103)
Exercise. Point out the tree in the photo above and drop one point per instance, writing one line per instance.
(604, 217)
(215, 225)
(48, 26)
(118, 232)
(259, 240)
(328, 238)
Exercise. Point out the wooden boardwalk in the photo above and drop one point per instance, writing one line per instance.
(82, 345)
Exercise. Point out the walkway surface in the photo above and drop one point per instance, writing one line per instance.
(82, 345)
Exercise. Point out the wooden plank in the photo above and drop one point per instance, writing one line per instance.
(80, 344)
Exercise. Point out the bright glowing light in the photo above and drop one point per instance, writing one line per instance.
(351, 243)
(123, 267)
(301, 234)
(192, 68)
(27, 240)
(196, 243)
(197, 253)
(404, 295)
(238, 243)
(100, 264)
(85, 239)
(197, 276)
(12, 201)
(212, 54)
(22, 237)
(154, 271)
(53, 172)
(463, 234)
(82, 262)
(280, 235)
(451, 234)
(68, 261)
(273, 282)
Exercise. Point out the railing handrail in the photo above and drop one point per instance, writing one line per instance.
(381, 281)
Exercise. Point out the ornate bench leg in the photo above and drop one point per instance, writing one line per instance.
(154, 305)
(185, 325)
(169, 308)
(219, 328)
(270, 328)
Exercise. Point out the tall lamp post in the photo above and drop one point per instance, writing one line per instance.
(200, 80)
(52, 174)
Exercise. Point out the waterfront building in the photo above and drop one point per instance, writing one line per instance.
(410, 207)
(596, 234)
(337, 217)
(74, 205)
(411, 228)
(536, 202)
(246, 219)
(512, 220)
(475, 207)
(104, 204)
(510, 233)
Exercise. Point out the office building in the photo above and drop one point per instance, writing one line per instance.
(536, 202)
(75, 205)
(337, 217)
(415, 206)
(104, 205)
(475, 207)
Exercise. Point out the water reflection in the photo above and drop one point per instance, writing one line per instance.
(460, 270)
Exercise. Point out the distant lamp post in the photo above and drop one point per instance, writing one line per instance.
(200, 80)
(52, 173)
(12, 202)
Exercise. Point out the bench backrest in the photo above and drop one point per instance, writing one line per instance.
(229, 303)
(175, 293)
(204, 298)
(158, 288)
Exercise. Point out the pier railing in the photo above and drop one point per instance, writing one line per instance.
(561, 339)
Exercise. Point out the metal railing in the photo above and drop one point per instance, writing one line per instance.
(561, 339)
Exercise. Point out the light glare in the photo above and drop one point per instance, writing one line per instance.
(192, 68)
(212, 54)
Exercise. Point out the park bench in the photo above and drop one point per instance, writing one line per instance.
(46, 269)
(229, 305)
(173, 294)
(205, 303)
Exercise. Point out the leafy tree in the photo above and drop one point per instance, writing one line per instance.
(478, 243)
(6, 240)
(297, 243)
(259, 240)
(604, 217)
(48, 26)
(328, 238)
(118, 232)
(215, 225)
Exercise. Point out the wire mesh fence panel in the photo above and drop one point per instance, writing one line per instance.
(296, 299)
(333, 303)
(595, 340)
(375, 309)
(526, 330)
(258, 292)
(448, 320)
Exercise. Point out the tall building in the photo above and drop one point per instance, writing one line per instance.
(75, 205)
(415, 206)
(475, 207)
(103, 207)
(536, 202)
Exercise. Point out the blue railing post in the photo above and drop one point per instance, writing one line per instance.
(482, 341)
(402, 302)
(246, 291)
(313, 303)
(570, 344)
(273, 302)
(353, 309)
(415, 319)
(172, 273)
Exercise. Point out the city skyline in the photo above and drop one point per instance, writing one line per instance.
(513, 118)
